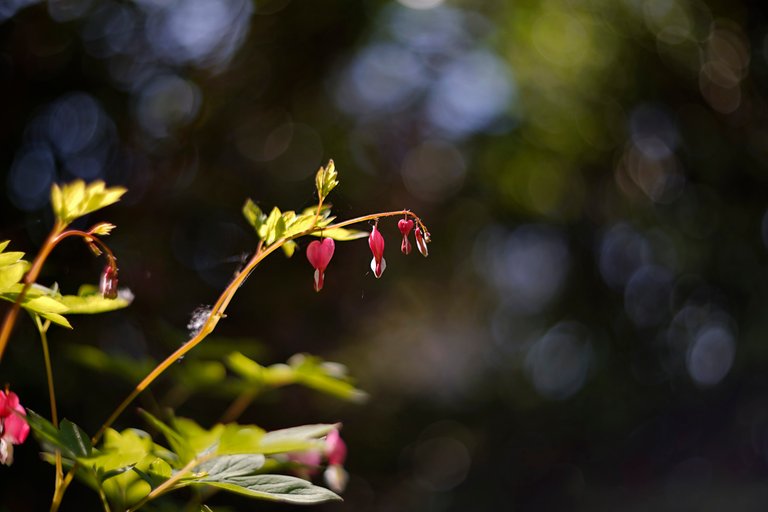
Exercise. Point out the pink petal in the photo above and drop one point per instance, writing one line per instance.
(319, 253)
(405, 226)
(16, 428)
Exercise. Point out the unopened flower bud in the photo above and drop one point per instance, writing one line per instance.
(421, 242)
(108, 282)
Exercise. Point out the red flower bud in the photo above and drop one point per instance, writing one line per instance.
(108, 282)
(421, 242)
(376, 243)
(319, 254)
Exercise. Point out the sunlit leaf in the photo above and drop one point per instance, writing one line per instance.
(102, 228)
(341, 234)
(90, 301)
(254, 216)
(12, 274)
(326, 180)
(75, 199)
(274, 227)
(294, 439)
(239, 439)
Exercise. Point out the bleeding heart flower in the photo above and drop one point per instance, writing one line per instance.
(376, 243)
(13, 426)
(405, 226)
(319, 254)
(421, 242)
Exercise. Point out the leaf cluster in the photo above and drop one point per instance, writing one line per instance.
(130, 469)
(289, 225)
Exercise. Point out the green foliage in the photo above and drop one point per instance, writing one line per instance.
(90, 301)
(37, 299)
(76, 199)
(309, 371)
(129, 465)
(289, 225)
(326, 180)
(48, 302)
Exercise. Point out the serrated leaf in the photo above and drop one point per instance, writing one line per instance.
(76, 199)
(326, 180)
(341, 234)
(102, 228)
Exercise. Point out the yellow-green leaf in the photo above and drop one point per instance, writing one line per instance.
(341, 234)
(76, 199)
(326, 180)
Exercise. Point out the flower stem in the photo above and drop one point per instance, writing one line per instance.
(29, 278)
(42, 329)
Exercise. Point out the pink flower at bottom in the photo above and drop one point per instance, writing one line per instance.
(14, 429)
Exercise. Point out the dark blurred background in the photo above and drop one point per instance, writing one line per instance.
(589, 330)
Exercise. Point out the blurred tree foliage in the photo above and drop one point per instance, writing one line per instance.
(588, 331)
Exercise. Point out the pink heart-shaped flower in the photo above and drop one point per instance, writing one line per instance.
(319, 253)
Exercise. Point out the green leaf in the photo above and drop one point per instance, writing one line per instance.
(236, 474)
(75, 439)
(326, 180)
(240, 439)
(294, 439)
(330, 378)
(12, 274)
(274, 227)
(341, 234)
(75, 199)
(245, 367)
(180, 445)
(90, 301)
(254, 216)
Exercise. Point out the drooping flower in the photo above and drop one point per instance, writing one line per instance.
(405, 226)
(421, 242)
(336, 451)
(14, 429)
(108, 281)
(376, 243)
(319, 254)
